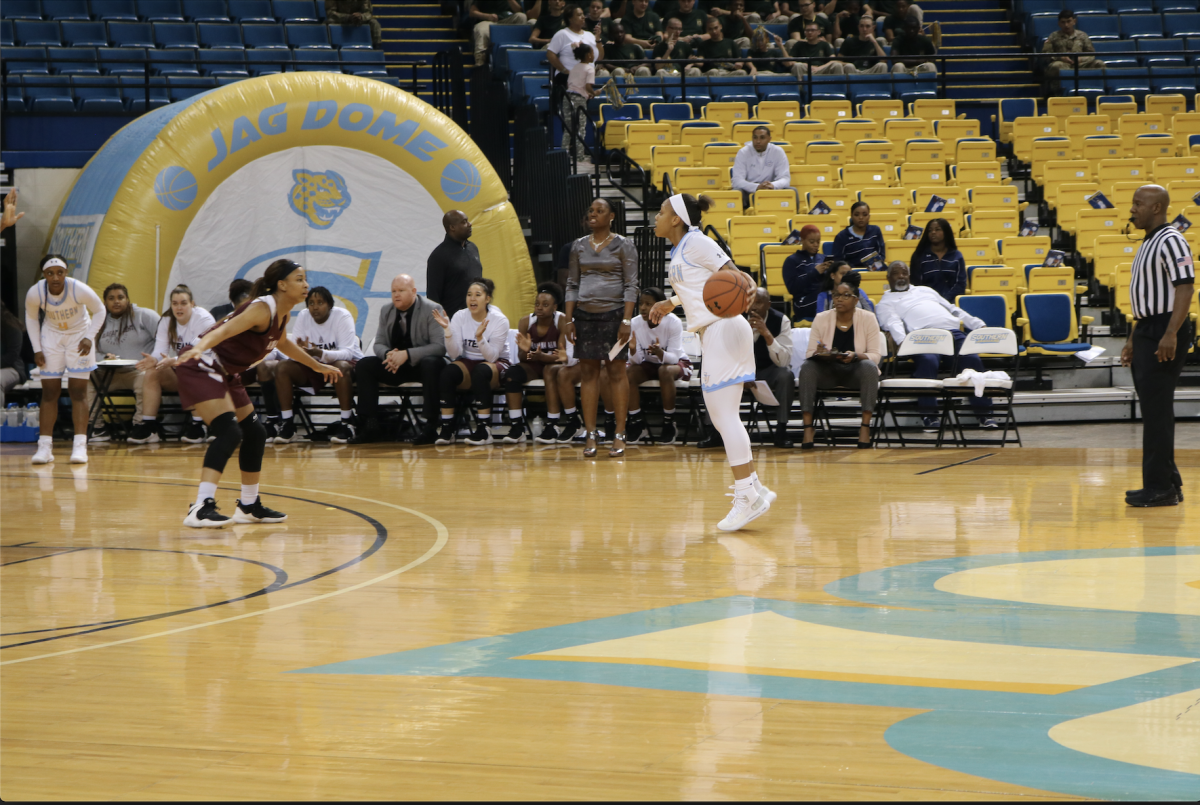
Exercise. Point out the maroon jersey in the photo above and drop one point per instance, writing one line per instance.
(547, 342)
(237, 354)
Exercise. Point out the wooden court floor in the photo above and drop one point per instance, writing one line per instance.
(522, 623)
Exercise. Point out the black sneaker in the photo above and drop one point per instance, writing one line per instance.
(341, 432)
(205, 515)
(549, 434)
(931, 424)
(100, 434)
(516, 433)
(145, 432)
(572, 430)
(447, 433)
(988, 423)
(256, 513)
(287, 433)
(668, 434)
(712, 439)
(271, 426)
(428, 435)
(194, 433)
(481, 435)
(635, 430)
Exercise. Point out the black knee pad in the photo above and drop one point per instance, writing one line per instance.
(515, 379)
(448, 384)
(254, 441)
(481, 385)
(226, 437)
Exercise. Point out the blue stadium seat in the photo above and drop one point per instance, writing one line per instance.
(222, 62)
(268, 61)
(21, 10)
(182, 87)
(1032, 8)
(160, 10)
(1176, 6)
(14, 94)
(35, 33)
(1182, 25)
(73, 61)
(26, 61)
(1050, 317)
(173, 62)
(695, 91)
(65, 10)
(173, 35)
(84, 34)
(363, 62)
(131, 34)
(1099, 27)
(244, 11)
(307, 36)
(114, 10)
(356, 37)
(48, 93)
(992, 308)
(827, 88)
(264, 36)
(1107, 46)
(220, 36)
(6, 34)
(294, 10)
(1137, 26)
(503, 35)
(98, 94)
(730, 89)
(1156, 57)
(1169, 80)
(1131, 7)
(123, 61)
(522, 63)
(1086, 7)
(915, 87)
(134, 90)
(205, 11)
(1133, 81)
(535, 89)
(868, 87)
(326, 61)
(1039, 28)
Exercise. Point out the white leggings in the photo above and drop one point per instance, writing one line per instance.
(724, 406)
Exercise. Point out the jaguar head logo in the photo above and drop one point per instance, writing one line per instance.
(319, 197)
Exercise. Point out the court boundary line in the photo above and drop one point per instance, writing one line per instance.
(443, 537)
(957, 463)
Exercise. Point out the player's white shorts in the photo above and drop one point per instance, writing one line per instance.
(61, 351)
(727, 353)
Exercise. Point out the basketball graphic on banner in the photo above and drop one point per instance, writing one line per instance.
(460, 180)
(175, 188)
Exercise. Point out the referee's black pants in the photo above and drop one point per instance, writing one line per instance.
(1155, 383)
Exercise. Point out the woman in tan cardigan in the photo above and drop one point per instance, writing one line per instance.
(843, 352)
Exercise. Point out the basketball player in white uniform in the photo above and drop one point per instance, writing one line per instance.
(63, 344)
(727, 357)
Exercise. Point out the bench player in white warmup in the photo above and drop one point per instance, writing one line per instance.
(64, 343)
(727, 358)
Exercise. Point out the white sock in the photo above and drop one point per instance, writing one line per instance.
(80, 439)
(286, 415)
(609, 413)
(515, 413)
(347, 414)
(635, 412)
(569, 411)
(45, 441)
(447, 417)
(668, 413)
(196, 418)
(552, 417)
(148, 418)
(207, 491)
(745, 486)
(249, 494)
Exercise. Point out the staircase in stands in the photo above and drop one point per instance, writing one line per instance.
(416, 32)
(981, 26)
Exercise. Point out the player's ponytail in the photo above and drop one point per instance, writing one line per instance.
(172, 321)
(268, 283)
(696, 207)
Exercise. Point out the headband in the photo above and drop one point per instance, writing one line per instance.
(293, 267)
(681, 210)
(52, 262)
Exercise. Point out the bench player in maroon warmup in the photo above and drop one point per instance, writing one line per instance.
(210, 380)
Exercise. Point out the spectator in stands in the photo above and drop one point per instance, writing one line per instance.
(859, 241)
(596, 19)
(453, 265)
(773, 358)
(834, 7)
(354, 12)
(127, 334)
(549, 23)
(581, 87)
(911, 49)
(239, 290)
(815, 47)
(10, 215)
(1068, 40)
(721, 56)
(326, 333)
(803, 272)
(694, 21)
(906, 307)
(643, 26)
(656, 353)
(407, 349)
(844, 351)
(937, 263)
(541, 343)
(477, 344)
(901, 10)
(675, 48)
(622, 48)
(756, 12)
(735, 23)
(845, 20)
(486, 13)
(561, 54)
(760, 165)
(808, 13)
(601, 295)
(761, 47)
(861, 53)
(838, 274)
(12, 335)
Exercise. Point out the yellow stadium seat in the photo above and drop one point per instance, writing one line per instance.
(854, 129)
(880, 109)
(1091, 224)
(1183, 189)
(838, 200)
(825, 152)
(1028, 129)
(726, 204)
(665, 159)
(1060, 172)
(1048, 149)
(977, 250)
(932, 109)
(1119, 280)
(951, 130)
(1121, 194)
(778, 114)
(925, 149)
(920, 174)
(788, 149)
(1183, 126)
(801, 132)
(993, 223)
(1154, 146)
(719, 155)
(1058, 279)
(615, 137)
(891, 224)
(1111, 251)
(1192, 236)
(1103, 146)
(673, 115)
(1166, 105)
(1005, 125)
(1142, 124)
(974, 149)
(900, 249)
(1076, 127)
(746, 232)
(699, 180)
(1109, 171)
(1017, 251)
(953, 216)
(901, 130)
(1070, 195)
(771, 260)
(814, 176)
(1117, 108)
(994, 197)
(783, 204)
(695, 138)
(742, 130)
(874, 283)
(971, 174)
(829, 225)
(894, 199)
(955, 197)
(859, 176)
(1061, 108)
(877, 151)
(1173, 169)
(830, 111)
(726, 112)
(642, 137)
(999, 280)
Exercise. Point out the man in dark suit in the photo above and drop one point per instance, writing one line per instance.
(453, 265)
(409, 347)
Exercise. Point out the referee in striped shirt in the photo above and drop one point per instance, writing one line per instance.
(1160, 292)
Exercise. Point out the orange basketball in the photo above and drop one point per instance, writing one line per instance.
(728, 293)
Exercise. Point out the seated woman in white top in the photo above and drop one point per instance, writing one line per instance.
(326, 333)
(477, 343)
(180, 326)
(657, 350)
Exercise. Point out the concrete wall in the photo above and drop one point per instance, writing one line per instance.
(42, 191)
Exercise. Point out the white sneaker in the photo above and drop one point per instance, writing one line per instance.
(79, 454)
(743, 512)
(44, 454)
(763, 492)
(205, 516)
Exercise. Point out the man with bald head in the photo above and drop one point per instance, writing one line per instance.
(1160, 293)
(453, 265)
(409, 347)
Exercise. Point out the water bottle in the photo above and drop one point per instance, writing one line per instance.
(537, 426)
(13, 416)
(31, 415)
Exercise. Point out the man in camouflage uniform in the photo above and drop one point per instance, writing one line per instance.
(1068, 40)
(354, 12)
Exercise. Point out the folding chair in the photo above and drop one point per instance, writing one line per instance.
(895, 393)
(986, 342)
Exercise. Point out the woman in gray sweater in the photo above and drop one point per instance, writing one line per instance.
(601, 293)
(128, 334)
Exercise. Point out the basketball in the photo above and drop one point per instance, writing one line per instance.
(728, 293)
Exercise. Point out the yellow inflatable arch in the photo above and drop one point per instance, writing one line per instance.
(349, 176)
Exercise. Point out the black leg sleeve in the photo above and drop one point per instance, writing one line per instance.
(451, 376)
(481, 385)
